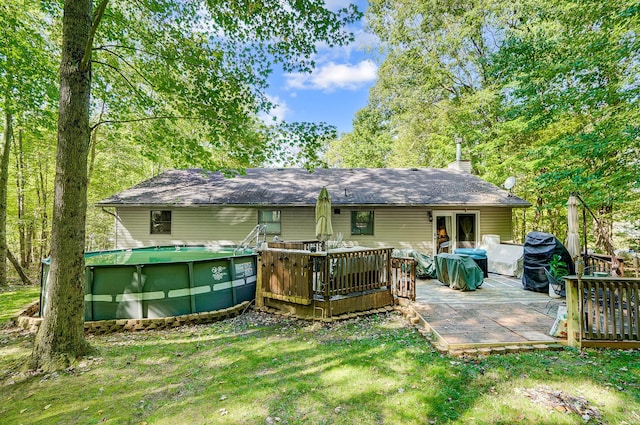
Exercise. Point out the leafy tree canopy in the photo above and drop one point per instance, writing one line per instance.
(193, 75)
(543, 90)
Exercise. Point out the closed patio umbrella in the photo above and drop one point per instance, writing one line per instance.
(573, 238)
(323, 216)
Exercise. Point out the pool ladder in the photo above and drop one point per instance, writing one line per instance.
(255, 233)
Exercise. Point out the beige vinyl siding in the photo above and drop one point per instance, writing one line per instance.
(392, 227)
(496, 221)
(189, 226)
(298, 223)
(397, 227)
(132, 227)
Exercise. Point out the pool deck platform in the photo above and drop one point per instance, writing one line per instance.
(498, 317)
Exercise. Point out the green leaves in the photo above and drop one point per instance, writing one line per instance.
(369, 145)
(546, 91)
(573, 63)
(196, 72)
(433, 86)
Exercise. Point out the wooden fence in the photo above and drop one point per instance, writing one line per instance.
(287, 275)
(603, 312)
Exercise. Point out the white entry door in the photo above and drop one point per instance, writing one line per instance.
(444, 233)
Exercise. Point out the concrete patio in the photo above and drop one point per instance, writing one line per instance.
(498, 317)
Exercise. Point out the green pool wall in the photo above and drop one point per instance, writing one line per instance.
(170, 282)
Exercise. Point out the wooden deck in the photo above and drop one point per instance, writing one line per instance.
(499, 316)
(332, 283)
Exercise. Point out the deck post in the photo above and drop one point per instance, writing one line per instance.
(573, 313)
(259, 266)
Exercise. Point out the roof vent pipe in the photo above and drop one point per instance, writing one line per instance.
(458, 149)
(459, 163)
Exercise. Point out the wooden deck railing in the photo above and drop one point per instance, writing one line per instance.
(314, 245)
(595, 263)
(297, 276)
(403, 277)
(634, 270)
(346, 273)
(603, 312)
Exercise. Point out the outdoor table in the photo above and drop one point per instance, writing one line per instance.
(478, 255)
(458, 271)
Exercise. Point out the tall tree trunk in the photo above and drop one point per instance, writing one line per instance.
(6, 148)
(42, 188)
(4, 181)
(92, 154)
(25, 227)
(60, 339)
(537, 216)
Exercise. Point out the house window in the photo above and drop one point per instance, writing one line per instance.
(362, 222)
(271, 219)
(160, 222)
(466, 230)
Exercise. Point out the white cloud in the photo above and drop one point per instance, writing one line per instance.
(279, 111)
(332, 76)
(364, 44)
(349, 67)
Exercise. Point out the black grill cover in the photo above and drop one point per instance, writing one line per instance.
(539, 249)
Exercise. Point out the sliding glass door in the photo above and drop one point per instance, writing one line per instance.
(453, 230)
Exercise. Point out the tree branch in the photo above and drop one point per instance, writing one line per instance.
(94, 28)
(476, 46)
(16, 265)
(133, 49)
(447, 88)
(129, 65)
(120, 46)
(159, 117)
(135, 90)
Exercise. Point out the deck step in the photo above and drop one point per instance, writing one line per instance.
(509, 349)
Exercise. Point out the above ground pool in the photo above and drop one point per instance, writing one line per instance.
(163, 281)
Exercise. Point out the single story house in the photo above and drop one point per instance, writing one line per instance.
(426, 209)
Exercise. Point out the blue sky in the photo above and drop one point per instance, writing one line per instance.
(337, 88)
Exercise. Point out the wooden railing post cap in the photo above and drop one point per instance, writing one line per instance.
(579, 267)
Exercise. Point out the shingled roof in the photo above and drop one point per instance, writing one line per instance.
(429, 187)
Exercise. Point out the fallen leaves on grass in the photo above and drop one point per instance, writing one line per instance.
(562, 402)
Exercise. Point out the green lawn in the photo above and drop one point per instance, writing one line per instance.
(14, 298)
(261, 369)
